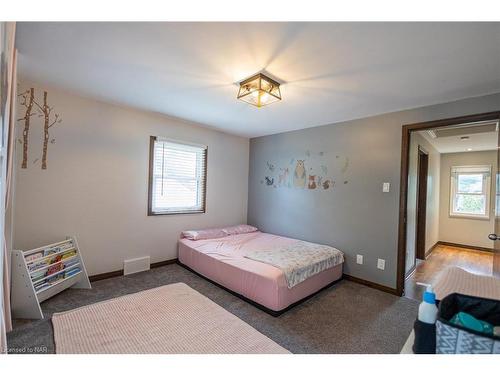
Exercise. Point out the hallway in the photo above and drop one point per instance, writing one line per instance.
(442, 257)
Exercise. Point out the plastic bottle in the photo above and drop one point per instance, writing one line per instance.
(427, 311)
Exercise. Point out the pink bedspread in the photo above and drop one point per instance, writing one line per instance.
(222, 260)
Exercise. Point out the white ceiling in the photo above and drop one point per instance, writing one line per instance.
(331, 71)
(478, 139)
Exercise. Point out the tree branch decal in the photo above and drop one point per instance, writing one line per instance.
(46, 112)
(27, 100)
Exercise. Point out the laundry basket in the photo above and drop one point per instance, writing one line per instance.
(454, 339)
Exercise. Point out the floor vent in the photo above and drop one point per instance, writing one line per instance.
(136, 265)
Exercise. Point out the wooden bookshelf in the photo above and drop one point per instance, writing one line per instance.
(41, 273)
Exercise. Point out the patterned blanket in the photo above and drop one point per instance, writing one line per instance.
(299, 260)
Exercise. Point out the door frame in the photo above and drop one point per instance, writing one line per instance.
(496, 244)
(403, 192)
(421, 206)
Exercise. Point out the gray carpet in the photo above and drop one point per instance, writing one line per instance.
(345, 318)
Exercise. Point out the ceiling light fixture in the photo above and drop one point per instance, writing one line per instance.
(469, 149)
(259, 90)
(432, 133)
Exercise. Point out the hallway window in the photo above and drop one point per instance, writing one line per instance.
(470, 191)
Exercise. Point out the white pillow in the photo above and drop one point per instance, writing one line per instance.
(204, 234)
(239, 229)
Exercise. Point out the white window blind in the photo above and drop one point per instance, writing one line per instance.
(470, 191)
(178, 177)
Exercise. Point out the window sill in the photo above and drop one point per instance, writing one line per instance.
(471, 217)
(150, 213)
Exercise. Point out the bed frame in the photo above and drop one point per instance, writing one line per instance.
(253, 303)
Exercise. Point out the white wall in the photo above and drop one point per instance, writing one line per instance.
(96, 184)
(433, 201)
(7, 51)
(463, 230)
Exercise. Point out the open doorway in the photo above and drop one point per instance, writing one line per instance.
(449, 198)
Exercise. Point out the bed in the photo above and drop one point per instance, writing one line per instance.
(224, 261)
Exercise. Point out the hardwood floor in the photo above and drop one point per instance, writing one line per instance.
(480, 262)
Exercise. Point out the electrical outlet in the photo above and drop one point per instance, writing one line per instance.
(381, 264)
(359, 259)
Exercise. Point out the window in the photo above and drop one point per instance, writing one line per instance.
(177, 177)
(470, 191)
(497, 203)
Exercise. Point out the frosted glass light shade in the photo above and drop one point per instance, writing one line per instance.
(259, 90)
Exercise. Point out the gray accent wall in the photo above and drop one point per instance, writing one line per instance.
(356, 217)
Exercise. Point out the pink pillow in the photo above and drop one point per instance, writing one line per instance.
(239, 229)
(204, 234)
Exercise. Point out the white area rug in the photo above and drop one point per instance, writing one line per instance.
(458, 280)
(171, 319)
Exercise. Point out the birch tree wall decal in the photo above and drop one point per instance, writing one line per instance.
(27, 100)
(46, 111)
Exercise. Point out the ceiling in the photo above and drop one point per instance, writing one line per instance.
(464, 138)
(330, 72)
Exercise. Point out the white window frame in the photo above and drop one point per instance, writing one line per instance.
(201, 180)
(485, 170)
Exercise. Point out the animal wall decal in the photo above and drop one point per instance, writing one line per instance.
(312, 182)
(299, 176)
(50, 118)
(283, 177)
(316, 171)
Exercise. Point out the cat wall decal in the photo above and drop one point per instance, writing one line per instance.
(299, 176)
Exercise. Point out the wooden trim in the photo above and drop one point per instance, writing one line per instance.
(421, 204)
(105, 275)
(471, 247)
(108, 275)
(403, 195)
(163, 263)
(371, 284)
(429, 251)
(152, 140)
(488, 116)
